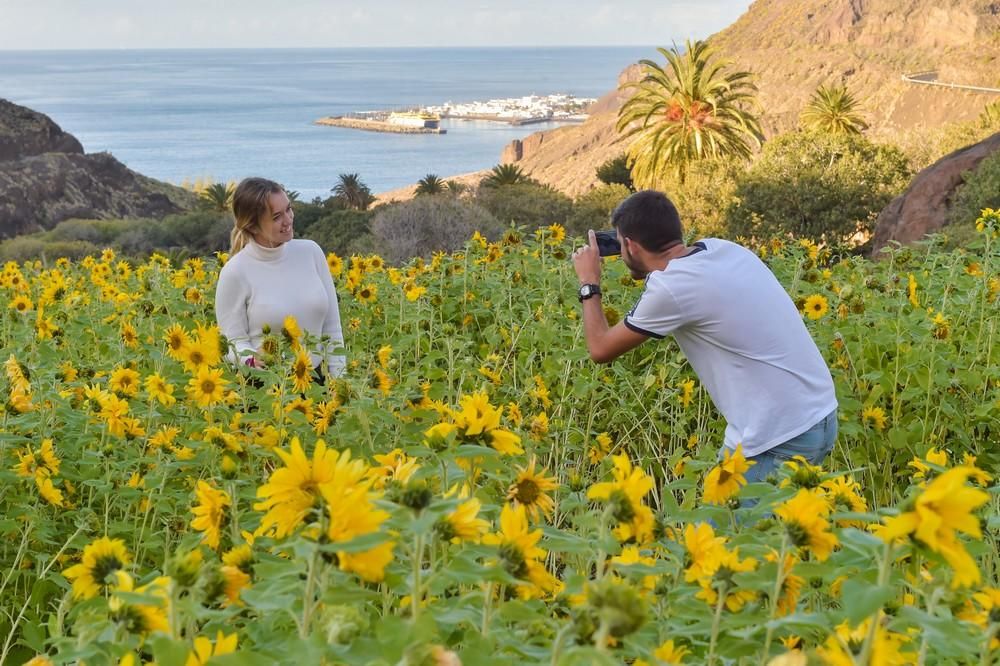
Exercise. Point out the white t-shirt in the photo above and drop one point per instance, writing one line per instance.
(261, 286)
(744, 338)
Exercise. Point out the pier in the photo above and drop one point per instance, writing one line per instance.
(370, 125)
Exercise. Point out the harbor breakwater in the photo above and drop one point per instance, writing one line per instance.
(376, 125)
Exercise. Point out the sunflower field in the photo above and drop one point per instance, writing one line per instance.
(474, 490)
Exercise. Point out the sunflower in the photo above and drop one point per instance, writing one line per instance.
(791, 585)
(874, 416)
(722, 580)
(843, 493)
(129, 335)
(158, 389)
(393, 466)
(207, 387)
(124, 382)
(529, 489)
(210, 513)
(725, 479)
(294, 490)
(686, 394)
(704, 551)
(382, 381)
(195, 355)
(240, 557)
(367, 293)
(335, 264)
(47, 489)
(93, 575)
(804, 517)
(413, 292)
(141, 618)
(234, 581)
(518, 544)
(177, 340)
(204, 650)
(944, 508)
(463, 524)
(887, 646)
(816, 306)
(301, 371)
(384, 354)
(368, 564)
(21, 303)
(291, 330)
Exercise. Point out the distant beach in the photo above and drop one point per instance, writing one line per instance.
(225, 114)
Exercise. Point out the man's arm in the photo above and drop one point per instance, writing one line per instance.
(604, 343)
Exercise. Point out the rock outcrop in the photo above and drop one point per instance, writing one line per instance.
(923, 208)
(24, 133)
(45, 178)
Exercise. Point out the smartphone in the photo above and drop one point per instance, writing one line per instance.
(607, 243)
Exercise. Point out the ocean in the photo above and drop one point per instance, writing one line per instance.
(182, 115)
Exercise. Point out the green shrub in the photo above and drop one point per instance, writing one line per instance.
(427, 224)
(529, 204)
(24, 248)
(593, 209)
(819, 186)
(981, 189)
(616, 172)
(344, 232)
(98, 232)
(202, 232)
(706, 195)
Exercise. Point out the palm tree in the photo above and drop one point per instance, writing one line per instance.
(691, 108)
(430, 184)
(505, 174)
(353, 192)
(218, 197)
(456, 188)
(833, 110)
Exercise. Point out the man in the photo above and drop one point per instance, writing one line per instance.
(737, 326)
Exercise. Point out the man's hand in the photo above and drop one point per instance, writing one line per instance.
(587, 261)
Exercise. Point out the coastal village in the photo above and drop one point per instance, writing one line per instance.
(525, 110)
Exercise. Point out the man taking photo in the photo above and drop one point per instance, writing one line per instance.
(739, 329)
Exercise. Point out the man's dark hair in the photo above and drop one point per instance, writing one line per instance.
(650, 219)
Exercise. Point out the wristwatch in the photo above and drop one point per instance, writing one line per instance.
(588, 290)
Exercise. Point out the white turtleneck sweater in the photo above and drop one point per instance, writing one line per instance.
(261, 286)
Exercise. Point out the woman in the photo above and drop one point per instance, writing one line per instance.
(270, 276)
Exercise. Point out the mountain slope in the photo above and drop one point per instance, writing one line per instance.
(793, 46)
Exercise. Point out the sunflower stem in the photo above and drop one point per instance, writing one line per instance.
(716, 621)
(418, 556)
(985, 659)
(307, 596)
(487, 606)
(883, 577)
(779, 580)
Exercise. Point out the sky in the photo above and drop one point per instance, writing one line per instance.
(132, 24)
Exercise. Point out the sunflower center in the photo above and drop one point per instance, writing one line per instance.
(798, 534)
(513, 560)
(527, 491)
(104, 566)
(208, 387)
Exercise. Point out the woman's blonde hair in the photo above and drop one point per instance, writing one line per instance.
(249, 204)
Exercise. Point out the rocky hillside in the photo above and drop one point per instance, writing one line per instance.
(45, 178)
(793, 46)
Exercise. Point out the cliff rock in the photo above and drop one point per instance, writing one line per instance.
(46, 178)
(923, 207)
(24, 133)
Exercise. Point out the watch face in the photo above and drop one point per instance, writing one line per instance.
(586, 290)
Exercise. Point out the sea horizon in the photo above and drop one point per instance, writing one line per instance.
(226, 113)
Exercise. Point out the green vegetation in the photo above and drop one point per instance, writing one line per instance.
(505, 174)
(354, 193)
(833, 109)
(822, 186)
(616, 172)
(431, 184)
(692, 108)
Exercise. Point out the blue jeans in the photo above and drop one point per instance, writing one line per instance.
(814, 445)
